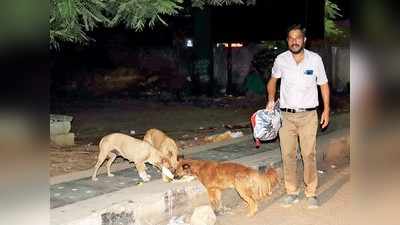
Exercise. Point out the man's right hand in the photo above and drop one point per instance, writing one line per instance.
(270, 106)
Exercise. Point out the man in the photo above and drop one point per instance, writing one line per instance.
(300, 71)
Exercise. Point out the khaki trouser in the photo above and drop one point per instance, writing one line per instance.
(303, 127)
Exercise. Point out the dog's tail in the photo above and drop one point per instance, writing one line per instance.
(272, 176)
(260, 184)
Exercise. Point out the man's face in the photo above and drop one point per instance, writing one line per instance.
(295, 41)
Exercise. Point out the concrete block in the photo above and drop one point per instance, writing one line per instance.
(63, 139)
(60, 124)
(61, 127)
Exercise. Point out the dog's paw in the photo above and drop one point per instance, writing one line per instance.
(218, 213)
(166, 179)
(146, 178)
(110, 175)
(95, 179)
(225, 209)
(250, 214)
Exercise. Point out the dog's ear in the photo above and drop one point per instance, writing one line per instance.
(180, 157)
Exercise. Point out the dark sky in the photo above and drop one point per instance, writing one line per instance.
(267, 20)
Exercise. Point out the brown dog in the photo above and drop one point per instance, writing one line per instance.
(134, 150)
(165, 145)
(216, 176)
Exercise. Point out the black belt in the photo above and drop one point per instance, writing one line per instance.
(298, 110)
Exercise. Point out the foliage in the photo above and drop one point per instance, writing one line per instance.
(331, 13)
(264, 59)
(70, 20)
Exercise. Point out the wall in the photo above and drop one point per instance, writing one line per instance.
(336, 61)
(241, 59)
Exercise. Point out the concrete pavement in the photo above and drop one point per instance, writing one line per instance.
(75, 199)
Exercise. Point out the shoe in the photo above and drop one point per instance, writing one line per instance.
(289, 200)
(312, 202)
(258, 143)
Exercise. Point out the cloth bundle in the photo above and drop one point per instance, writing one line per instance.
(266, 124)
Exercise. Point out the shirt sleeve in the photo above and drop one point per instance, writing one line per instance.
(276, 70)
(321, 75)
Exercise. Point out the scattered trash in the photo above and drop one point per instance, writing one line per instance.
(236, 126)
(237, 134)
(333, 166)
(139, 184)
(132, 132)
(56, 194)
(75, 189)
(224, 136)
(201, 128)
(177, 221)
(195, 138)
(321, 172)
(87, 147)
(185, 135)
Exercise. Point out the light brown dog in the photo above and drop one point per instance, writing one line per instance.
(165, 145)
(135, 150)
(217, 176)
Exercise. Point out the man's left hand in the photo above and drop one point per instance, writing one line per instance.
(324, 119)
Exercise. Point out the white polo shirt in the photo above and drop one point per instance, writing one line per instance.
(298, 87)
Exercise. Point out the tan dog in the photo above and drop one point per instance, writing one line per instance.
(134, 150)
(165, 145)
(215, 176)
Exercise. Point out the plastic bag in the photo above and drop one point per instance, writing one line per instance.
(266, 124)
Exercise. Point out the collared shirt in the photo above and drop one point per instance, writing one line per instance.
(298, 87)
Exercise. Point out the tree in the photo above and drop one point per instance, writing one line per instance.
(331, 13)
(70, 20)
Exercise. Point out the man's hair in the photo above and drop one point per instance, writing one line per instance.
(296, 27)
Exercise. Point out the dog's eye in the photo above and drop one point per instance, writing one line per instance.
(186, 166)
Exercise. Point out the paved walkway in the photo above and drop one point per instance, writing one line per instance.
(77, 190)
(241, 150)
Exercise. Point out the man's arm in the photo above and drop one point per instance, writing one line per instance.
(326, 99)
(271, 89)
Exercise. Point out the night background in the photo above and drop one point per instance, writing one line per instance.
(157, 59)
(94, 67)
(116, 67)
(197, 72)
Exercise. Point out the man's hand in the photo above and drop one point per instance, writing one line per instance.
(270, 106)
(324, 118)
(325, 98)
